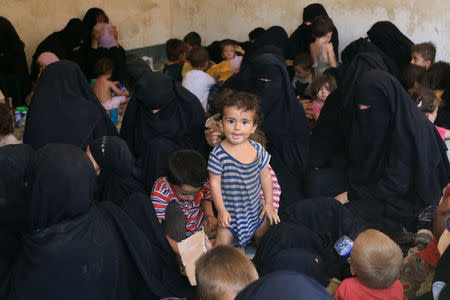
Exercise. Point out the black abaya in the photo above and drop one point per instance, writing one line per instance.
(14, 80)
(64, 109)
(161, 117)
(74, 249)
(117, 178)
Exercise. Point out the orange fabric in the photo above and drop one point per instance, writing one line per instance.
(353, 289)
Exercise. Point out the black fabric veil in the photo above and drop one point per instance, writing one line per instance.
(117, 178)
(178, 123)
(64, 109)
(62, 43)
(302, 37)
(14, 81)
(387, 37)
(75, 249)
(284, 121)
(398, 162)
(284, 285)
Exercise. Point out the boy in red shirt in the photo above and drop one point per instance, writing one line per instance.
(375, 262)
(182, 200)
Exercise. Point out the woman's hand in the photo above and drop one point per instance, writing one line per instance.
(308, 108)
(210, 223)
(271, 214)
(213, 137)
(343, 198)
(115, 34)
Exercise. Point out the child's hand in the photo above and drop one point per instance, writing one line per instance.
(224, 219)
(210, 223)
(271, 214)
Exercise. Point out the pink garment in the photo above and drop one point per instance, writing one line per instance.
(236, 63)
(114, 102)
(107, 40)
(47, 58)
(442, 131)
(316, 107)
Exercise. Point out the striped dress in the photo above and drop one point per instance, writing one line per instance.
(241, 187)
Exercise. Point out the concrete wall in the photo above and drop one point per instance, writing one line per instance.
(148, 22)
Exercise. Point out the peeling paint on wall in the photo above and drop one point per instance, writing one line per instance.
(148, 22)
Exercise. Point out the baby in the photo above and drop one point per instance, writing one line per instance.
(231, 63)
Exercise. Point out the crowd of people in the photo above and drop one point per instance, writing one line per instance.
(273, 144)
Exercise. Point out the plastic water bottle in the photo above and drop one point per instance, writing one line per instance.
(344, 246)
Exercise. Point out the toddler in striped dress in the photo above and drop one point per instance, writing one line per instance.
(238, 169)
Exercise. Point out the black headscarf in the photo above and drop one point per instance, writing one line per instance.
(85, 251)
(398, 162)
(386, 36)
(62, 43)
(14, 81)
(302, 37)
(90, 18)
(273, 40)
(284, 119)
(64, 109)
(443, 116)
(13, 161)
(284, 285)
(179, 123)
(328, 140)
(117, 178)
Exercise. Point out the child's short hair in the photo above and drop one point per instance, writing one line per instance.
(304, 60)
(321, 26)
(410, 74)
(437, 77)
(426, 50)
(223, 271)
(174, 48)
(103, 66)
(187, 167)
(6, 120)
(225, 43)
(198, 57)
(425, 99)
(193, 39)
(320, 81)
(376, 259)
(255, 33)
(248, 101)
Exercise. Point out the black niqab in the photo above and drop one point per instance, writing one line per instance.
(387, 37)
(398, 162)
(117, 178)
(64, 109)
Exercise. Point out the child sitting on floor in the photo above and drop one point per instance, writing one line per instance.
(231, 63)
(423, 54)
(375, 262)
(304, 75)
(103, 87)
(321, 49)
(321, 87)
(176, 55)
(238, 168)
(6, 126)
(428, 103)
(197, 81)
(222, 273)
(182, 200)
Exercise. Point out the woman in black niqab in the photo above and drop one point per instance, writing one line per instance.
(387, 37)
(397, 160)
(84, 250)
(161, 117)
(65, 44)
(301, 38)
(64, 109)
(118, 174)
(14, 80)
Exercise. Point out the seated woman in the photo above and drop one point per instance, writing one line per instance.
(65, 44)
(161, 117)
(64, 109)
(14, 80)
(115, 166)
(397, 160)
(87, 251)
(102, 41)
